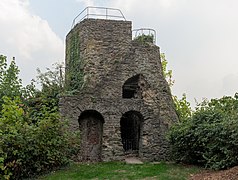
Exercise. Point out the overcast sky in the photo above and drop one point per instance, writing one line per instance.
(199, 37)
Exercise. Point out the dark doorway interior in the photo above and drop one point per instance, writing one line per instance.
(130, 130)
(91, 128)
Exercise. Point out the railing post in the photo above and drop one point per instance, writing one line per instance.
(87, 12)
(106, 13)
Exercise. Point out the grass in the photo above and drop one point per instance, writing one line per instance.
(119, 170)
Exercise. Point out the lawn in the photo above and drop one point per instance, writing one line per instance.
(120, 170)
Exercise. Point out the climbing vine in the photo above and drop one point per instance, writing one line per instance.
(75, 75)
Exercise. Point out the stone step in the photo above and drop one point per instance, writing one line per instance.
(133, 160)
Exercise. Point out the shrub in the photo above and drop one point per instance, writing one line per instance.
(29, 148)
(143, 38)
(210, 136)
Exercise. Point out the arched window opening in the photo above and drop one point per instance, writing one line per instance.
(133, 87)
(131, 123)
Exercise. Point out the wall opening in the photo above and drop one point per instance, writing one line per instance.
(131, 123)
(132, 88)
(91, 128)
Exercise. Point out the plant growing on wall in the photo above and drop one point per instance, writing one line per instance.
(74, 73)
(183, 108)
(168, 73)
(143, 38)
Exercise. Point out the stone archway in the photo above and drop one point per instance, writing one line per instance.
(131, 125)
(91, 128)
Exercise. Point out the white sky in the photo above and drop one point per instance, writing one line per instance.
(199, 37)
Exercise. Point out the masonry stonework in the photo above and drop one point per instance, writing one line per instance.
(125, 105)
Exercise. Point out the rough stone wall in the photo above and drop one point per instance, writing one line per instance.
(101, 44)
(110, 57)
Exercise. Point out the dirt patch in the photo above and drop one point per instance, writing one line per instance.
(230, 174)
(133, 160)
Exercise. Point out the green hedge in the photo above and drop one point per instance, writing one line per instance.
(210, 136)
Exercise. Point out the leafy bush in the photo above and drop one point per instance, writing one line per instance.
(33, 138)
(210, 136)
(30, 148)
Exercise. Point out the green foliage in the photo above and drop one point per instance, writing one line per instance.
(10, 84)
(210, 136)
(183, 108)
(33, 138)
(143, 38)
(168, 74)
(29, 147)
(75, 75)
(51, 81)
(47, 99)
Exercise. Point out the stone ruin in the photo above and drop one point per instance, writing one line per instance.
(124, 105)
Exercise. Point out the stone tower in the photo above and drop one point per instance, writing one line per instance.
(123, 104)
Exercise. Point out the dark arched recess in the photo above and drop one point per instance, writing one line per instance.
(132, 88)
(91, 128)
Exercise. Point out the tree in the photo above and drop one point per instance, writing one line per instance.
(52, 85)
(10, 83)
(52, 81)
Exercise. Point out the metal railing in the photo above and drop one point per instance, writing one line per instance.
(93, 12)
(144, 31)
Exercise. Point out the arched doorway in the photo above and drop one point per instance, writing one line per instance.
(131, 124)
(91, 128)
